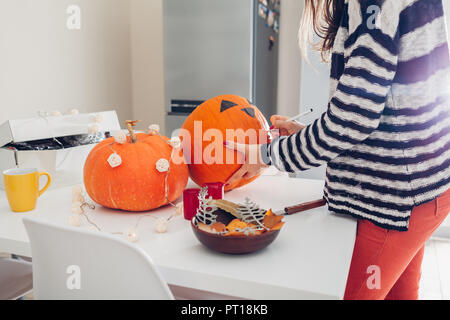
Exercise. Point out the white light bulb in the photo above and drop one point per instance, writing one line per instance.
(179, 209)
(75, 220)
(161, 225)
(132, 235)
(98, 118)
(77, 208)
(56, 113)
(76, 190)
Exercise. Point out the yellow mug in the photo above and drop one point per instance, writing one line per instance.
(22, 188)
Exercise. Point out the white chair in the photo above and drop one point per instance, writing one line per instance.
(71, 263)
(15, 278)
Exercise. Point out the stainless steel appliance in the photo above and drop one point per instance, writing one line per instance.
(215, 47)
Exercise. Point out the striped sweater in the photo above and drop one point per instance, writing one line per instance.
(386, 133)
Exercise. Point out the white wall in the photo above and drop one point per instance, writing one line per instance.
(147, 62)
(44, 66)
(304, 85)
(290, 60)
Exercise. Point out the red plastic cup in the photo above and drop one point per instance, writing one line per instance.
(215, 190)
(190, 203)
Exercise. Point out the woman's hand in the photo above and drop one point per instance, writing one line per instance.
(253, 163)
(286, 128)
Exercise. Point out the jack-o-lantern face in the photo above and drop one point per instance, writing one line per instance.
(222, 118)
(225, 105)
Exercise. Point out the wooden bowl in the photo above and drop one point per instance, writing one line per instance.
(235, 244)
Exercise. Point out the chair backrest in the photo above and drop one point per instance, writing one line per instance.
(72, 263)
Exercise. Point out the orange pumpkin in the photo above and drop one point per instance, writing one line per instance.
(136, 184)
(221, 113)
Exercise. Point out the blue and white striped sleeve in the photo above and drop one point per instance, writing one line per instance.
(354, 111)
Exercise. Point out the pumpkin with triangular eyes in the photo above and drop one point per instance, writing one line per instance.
(223, 118)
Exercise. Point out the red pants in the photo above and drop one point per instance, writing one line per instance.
(386, 264)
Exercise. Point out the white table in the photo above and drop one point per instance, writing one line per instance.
(309, 260)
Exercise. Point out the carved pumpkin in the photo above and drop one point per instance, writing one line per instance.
(219, 114)
(135, 183)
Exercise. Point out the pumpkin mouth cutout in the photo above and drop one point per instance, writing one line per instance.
(225, 105)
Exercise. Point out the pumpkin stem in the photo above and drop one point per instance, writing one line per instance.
(130, 125)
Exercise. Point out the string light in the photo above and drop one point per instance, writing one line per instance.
(75, 220)
(93, 129)
(161, 225)
(79, 203)
(97, 118)
(56, 113)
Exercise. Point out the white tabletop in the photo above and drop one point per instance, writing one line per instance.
(309, 260)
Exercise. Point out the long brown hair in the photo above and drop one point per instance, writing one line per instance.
(322, 17)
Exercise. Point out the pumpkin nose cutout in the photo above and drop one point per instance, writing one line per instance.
(249, 111)
(227, 105)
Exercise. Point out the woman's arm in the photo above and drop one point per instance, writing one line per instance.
(355, 108)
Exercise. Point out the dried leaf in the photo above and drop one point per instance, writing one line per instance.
(219, 227)
(255, 227)
(271, 221)
(278, 226)
(236, 224)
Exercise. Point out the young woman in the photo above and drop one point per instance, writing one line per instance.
(385, 136)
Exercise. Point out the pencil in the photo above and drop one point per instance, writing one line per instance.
(301, 115)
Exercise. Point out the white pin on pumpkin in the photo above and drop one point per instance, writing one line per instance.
(162, 165)
(120, 137)
(175, 142)
(114, 160)
(154, 130)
